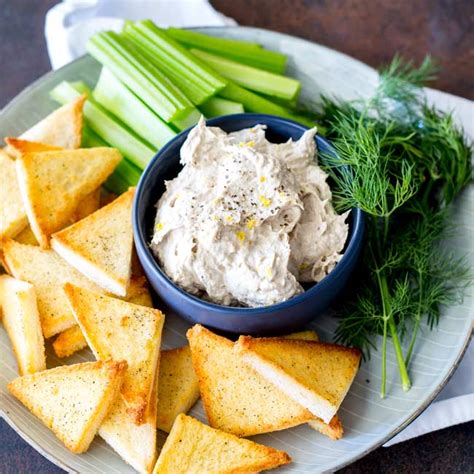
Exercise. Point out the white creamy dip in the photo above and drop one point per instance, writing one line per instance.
(246, 220)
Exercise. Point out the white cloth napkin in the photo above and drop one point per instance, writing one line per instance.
(70, 23)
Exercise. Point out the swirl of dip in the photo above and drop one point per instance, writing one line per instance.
(246, 220)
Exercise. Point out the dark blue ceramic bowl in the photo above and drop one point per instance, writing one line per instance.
(278, 318)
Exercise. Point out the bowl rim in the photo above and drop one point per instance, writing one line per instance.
(143, 249)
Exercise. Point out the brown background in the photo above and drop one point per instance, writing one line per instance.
(372, 31)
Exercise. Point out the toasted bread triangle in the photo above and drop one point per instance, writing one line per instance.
(12, 213)
(178, 386)
(53, 183)
(333, 429)
(120, 330)
(22, 322)
(71, 400)
(61, 128)
(236, 398)
(18, 147)
(195, 448)
(72, 340)
(316, 375)
(136, 444)
(100, 245)
(47, 272)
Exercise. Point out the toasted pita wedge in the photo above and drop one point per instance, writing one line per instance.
(333, 429)
(53, 183)
(72, 340)
(18, 147)
(100, 246)
(71, 400)
(47, 272)
(120, 330)
(87, 206)
(178, 386)
(61, 128)
(314, 374)
(69, 341)
(195, 448)
(22, 322)
(26, 236)
(12, 213)
(236, 398)
(135, 444)
(308, 335)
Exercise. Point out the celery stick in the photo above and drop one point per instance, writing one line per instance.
(255, 103)
(215, 107)
(252, 78)
(203, 41)
(241, 51)
(169, 48)
(189, 121)
(125, 175)
(108, 127)
(124, 104)
(148, 83)
(90, 139)
(194, 88)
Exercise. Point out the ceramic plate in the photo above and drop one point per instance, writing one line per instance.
(368, 420)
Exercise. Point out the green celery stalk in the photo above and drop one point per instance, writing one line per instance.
(255, 103)
(170, 49)
(193, 87)
(125, 175)
(252, 78)
(216, 106)
(90, 139)
(241, 51)
(189, 121)
(147, 82)
(108, 127)
(124, 104)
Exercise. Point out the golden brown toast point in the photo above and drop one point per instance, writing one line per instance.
(236, 398)
(87, 206)
(195, 448)
(135, 444)
(120, 330)
(316, 375)
(62, 128)
(71, 400)
(12, 213)
(100, 245)
(53, 183)
(72, 340)
(333, 429)
(47, 272)
(21, 320)
(18, 147)
(178, 386)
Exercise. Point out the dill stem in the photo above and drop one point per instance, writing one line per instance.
(384, 361)
(405, 379)
(417, 321)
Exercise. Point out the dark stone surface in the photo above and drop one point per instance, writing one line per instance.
(372, 34)
(373, 31)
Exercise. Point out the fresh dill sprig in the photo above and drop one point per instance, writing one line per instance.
(402, 162)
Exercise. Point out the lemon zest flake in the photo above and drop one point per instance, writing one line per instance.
(265, 201)
(263, 179)
(251, 224)
(240, 235)
(158, 227)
